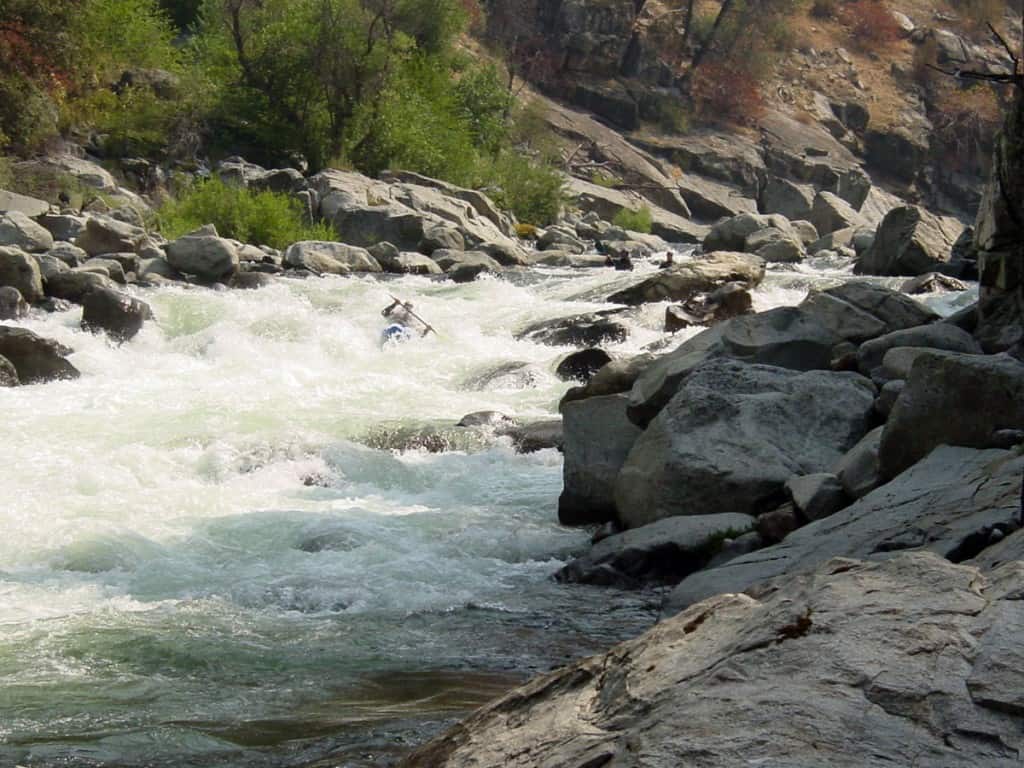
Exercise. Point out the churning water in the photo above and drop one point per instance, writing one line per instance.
(212, 553)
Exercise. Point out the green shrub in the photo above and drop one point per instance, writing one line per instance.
(259, 218)
(603, 179)
(638, 221)
(529, 187)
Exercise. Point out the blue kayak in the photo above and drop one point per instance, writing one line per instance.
(395, 333)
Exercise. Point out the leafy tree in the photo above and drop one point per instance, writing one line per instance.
(304, 69)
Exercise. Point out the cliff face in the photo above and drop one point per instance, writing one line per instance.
(919, 133)
(999, 238)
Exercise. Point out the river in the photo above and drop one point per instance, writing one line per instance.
(212, 553)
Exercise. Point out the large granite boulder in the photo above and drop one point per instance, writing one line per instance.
(953, 400)
(19, 231)
(119, 315)
(732, 436)
(103, 234)
(662, 552)
(935, 336)
(904, 245)
(12, 304)
(327, 257)
(597, 439)
(465, 266)
(688, 279)
(787, 198)
(939, 505)
(858, 311)
(605, 202)
(367, 211)
(786, 337)
(21, 271)
(911, 661)
(34, 358)
(74, 284)
(208, 257)
(830, 213)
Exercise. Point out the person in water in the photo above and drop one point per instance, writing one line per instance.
(402, 317)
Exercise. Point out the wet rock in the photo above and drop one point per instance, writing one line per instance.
(817, 495)
(728, 301)
(506, 253)
(932, 282)
(937, 505)
(577, 331)
(953, 400)
(119, 315)
(250, 281)
(582, 365)
(733, 434)
(324, 257)
(510, 375)
(663, 552)
(12, 304)
(8, 374)
(686, 280)
(21, 271)
(34, 358)
(19, 231)
(617, 376)
(485, 419)
(598, 438)
(536, 436)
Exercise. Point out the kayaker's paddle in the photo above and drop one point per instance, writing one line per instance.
(408, 309)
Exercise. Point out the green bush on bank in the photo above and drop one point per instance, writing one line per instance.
(638, 221)
(258, 218)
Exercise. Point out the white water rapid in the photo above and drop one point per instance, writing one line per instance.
(211, 554)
